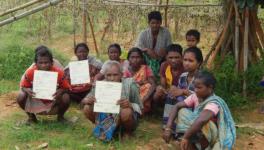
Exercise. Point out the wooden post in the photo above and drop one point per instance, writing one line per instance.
(166, 13)
(74, 22)
(246, 50)
(84, 21)
(237, 23)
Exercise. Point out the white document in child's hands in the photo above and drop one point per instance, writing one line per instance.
(79, 72)
(107, 94)
(45, 84)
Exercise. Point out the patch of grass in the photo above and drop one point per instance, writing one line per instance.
(67, 136)
(8, 85)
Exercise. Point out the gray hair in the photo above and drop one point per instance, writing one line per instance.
(112, 63)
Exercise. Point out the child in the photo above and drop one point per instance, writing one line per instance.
(114, 53)
(192, 38)
(78, 92)
(32, 106)
(143, 76)
(208, 123)
(192, 60)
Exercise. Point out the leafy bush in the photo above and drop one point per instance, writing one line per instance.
(230, 83)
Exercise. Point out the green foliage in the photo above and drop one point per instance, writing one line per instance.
(229, 82)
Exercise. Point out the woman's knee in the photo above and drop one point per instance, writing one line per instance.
(65, 99)
(126, 115)
(21, 99)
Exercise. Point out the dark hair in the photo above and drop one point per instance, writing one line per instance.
(207, 78)
(197, 52)
(193, 32)
(174, 48)
(137, 50)
(154, 15)
(115, 45)
(43, 51)
(84, 45)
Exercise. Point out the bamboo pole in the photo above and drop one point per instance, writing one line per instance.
(222, 38)
(32, 11)
(84, 21)
(92, 30)
(19, 7)
(246, 50)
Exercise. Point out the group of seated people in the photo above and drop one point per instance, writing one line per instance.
(156, 72)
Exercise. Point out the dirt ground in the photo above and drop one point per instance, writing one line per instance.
(245, 141)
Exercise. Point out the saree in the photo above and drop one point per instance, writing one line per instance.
(141, 78)
(223, 136)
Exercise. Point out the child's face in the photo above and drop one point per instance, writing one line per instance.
(190, 63)
(135, 59)
(191, 41)
(201, 90)
(174, 59)
(154, 25)
(81, 53)
(113, 53)
(44, 63)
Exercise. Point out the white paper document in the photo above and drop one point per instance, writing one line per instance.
(45, 84)
(107, 94)
(79, 72)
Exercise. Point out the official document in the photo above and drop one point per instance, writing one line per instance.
(45, 84)
(107, 94)
(79, 72)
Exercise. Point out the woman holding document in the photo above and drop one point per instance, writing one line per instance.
(130, 106)
(44, 90)
(83, 70)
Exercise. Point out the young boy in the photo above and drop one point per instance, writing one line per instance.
(32, 106)
(192, 38)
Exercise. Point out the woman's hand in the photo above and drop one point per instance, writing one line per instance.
(124, 103)
(167, 135)
(174, 91)
(29, 92)
(89, 100)
(184, 144)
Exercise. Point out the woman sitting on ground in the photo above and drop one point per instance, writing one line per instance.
(192, 60)
(114, 53)
(207, 123)
(78, 92)
(143, 76)
(130, 106)
(32, 106)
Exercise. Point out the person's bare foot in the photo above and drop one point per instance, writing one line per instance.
(32, 119)
(61, 119)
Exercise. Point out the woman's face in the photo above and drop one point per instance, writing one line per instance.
(113, 53)
(201, 90)
(44, 63)
(135, 59)
(113, 74)
(174, 59)
(190, 63)
(154, 25)
(81, 53)
(191, 41)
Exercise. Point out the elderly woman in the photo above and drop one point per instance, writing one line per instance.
(130, 106)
